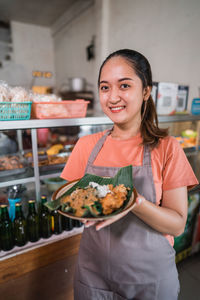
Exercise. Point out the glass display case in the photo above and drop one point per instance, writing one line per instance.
(34, 176)
(176, 123)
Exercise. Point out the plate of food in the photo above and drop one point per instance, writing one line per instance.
(94, 197)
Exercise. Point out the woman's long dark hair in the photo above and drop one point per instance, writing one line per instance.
(150, 131)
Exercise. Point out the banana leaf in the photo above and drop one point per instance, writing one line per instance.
(123, 176)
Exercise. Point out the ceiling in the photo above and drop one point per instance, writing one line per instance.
(38, 12)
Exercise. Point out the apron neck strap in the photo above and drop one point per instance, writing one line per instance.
(146, 156)
(98, 147)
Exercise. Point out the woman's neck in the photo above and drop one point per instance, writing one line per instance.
(120, 132)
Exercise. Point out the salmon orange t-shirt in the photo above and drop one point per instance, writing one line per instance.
(170, 166)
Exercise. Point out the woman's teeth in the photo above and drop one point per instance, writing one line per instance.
(117, 108)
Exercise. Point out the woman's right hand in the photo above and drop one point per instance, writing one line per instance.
(88, 223)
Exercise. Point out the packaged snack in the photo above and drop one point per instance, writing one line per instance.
(18, 94)
(4, 91)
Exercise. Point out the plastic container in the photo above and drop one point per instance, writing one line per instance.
(59, 110)
(54, 184)
(12, 111)
(195, 108)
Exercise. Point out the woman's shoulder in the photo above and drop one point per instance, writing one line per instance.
(167, 147)
(169, 142)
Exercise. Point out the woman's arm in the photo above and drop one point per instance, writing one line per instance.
(170, 218)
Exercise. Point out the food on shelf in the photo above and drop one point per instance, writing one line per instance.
(55, 149)
(188, 138)
(95, 199)
(57, 159)
(13, 94)
(30, 154)
(19, 94)
(36, 98)
(4, 91)
(15, 103)
(10, 163)
(51, 156)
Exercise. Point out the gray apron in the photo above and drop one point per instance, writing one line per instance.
(128, 259)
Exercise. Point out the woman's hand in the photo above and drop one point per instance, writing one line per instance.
(101, 224)
(170, 218)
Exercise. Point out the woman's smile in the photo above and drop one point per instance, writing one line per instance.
(117, 109)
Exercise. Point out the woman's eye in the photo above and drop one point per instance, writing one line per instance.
(104, 88)
(125, 86)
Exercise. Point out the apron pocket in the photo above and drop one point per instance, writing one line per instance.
(137, 291)
(84, 292)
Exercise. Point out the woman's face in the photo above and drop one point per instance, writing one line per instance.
(121, 92)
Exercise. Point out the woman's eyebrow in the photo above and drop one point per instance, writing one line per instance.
(121, 79)
(103, 81)
(125, 78)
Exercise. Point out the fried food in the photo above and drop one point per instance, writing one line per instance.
(95, 199)
(115, 199)
(10, 163)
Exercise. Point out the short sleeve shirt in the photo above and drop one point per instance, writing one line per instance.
(170, 165)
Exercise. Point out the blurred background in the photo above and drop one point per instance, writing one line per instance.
(54, 49)
(71, 38)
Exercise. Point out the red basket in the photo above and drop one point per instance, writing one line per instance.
(59, 110)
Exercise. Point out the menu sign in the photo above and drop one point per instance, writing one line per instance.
(43, 74)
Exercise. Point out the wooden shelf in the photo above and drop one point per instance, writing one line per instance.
(24, 262)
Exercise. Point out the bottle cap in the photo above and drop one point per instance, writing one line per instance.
(31, 201)
(18, 204)
(3, 205)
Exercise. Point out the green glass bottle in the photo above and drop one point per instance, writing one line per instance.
(32, 222)
(45, 220)
(6, 232)
(67, 223)
(20, 226)
(77, 223)
(56, 224)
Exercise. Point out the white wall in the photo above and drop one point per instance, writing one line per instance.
(166, 32)
(70, 49)
(32, 50)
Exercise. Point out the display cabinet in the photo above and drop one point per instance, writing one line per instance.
(173, 122)
(176, 124)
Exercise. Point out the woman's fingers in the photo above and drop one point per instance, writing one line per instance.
(89, 223)
(103, 224)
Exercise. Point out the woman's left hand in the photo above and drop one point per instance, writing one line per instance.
(101, 224)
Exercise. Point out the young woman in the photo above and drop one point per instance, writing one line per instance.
(132, 257)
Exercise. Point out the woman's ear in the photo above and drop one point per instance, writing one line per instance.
(147, 93)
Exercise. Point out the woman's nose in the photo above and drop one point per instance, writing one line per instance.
(114, 95)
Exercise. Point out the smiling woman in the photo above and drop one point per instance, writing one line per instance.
(125, 82)
(121, 94)
(132, 256)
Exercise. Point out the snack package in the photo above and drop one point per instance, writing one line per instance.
(18, 94)
(45, 98)
(4, 92)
